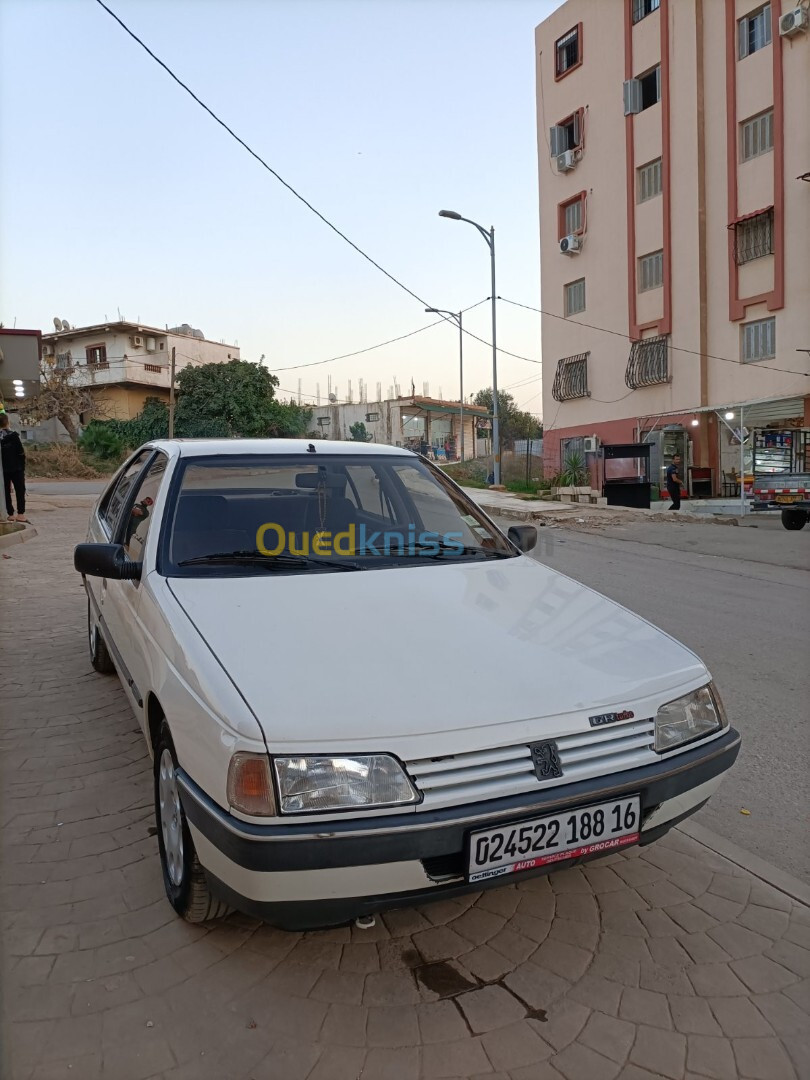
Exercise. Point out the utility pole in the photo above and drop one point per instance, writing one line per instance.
(171, 397)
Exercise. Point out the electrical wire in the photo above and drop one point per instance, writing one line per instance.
(371, 348)
(619, 333)
(289, 186)
(255, 155)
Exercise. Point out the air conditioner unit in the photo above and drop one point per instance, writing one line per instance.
(136, 341)
(570, 245)
(792, 22)
(590, 444)
(47, 350)
(566, 161)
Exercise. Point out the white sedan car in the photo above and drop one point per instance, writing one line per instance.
(359, 693)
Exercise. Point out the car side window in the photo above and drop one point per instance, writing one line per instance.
(110, 509)
(140, 513)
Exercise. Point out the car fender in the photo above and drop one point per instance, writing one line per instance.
(208, 718)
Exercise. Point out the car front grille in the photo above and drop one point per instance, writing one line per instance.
(477, 775)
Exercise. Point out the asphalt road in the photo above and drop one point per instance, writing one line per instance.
(739, 598)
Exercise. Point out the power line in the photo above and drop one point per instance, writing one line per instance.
(619, 333)
(371, 348)
(289, 186)
(255, 155)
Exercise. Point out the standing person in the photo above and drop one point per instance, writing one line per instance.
(674, 482)
(13, 458)
(448, 450)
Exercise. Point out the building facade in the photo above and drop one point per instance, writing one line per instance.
(674, 149)
(426, 425)
(124, 363)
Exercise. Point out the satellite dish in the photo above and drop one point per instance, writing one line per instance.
(57, 323)
(65, 325)
(333, 397)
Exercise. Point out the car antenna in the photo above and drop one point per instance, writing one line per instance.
(311, 449)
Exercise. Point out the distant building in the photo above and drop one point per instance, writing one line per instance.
(674, 149)
(419, 423)
(125, 363)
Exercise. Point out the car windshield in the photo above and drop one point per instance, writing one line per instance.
(304, 513)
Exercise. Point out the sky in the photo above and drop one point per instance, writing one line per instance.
(118, 193)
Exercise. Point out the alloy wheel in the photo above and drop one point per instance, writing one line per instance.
(171, 821)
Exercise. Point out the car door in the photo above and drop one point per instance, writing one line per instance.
(103, 524)
(135, 519)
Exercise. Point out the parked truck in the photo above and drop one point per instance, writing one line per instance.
(782, 474)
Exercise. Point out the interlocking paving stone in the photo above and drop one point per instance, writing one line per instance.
(663, 961)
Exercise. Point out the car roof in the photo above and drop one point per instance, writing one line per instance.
(186, 448)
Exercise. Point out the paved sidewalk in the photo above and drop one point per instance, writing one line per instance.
(668, 961)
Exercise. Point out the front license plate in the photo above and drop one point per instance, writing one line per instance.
(567, 835)
(788, 498)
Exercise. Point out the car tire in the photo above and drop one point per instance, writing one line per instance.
(793, 520)
(183, 876)
(99, 653)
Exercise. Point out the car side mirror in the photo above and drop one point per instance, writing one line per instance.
(106, 561)
(523, 537)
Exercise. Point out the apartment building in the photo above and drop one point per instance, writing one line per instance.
(674, 160)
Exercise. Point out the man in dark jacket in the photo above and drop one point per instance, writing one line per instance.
(674, 482)
(13, 459)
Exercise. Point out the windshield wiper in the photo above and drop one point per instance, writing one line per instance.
(284, 561)
(428, 551)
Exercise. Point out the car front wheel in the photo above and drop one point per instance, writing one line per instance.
(99, 654)
(183, 876)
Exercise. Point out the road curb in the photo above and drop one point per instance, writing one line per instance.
(746, 860)
(522, 515)
(19, 537)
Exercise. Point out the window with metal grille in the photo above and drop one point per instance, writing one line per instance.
(651, 271)
(574, 296)
(643, 8)
(649, 180)
(571, 378)
(756, 135)
(648, 363)
(96, 355)
(754, 31)
(758, 340)
(64, 360)
(753, 237)
(568, 51)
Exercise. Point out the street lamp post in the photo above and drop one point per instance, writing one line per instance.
(456, 315)
(489, 237)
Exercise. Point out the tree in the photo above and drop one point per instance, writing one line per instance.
(232, 400)
(236, 399)
(513, 422)
(358, 432)
(61, 398)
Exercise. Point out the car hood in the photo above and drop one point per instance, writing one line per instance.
(411, 651)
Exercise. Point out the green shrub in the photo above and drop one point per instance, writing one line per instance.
(100, 442)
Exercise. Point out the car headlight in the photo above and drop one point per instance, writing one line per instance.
(690, 717)
(318, 784)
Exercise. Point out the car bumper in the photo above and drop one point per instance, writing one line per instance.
(300, 875)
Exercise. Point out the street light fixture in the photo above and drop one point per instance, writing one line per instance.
(489, 237)
(457, 317)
